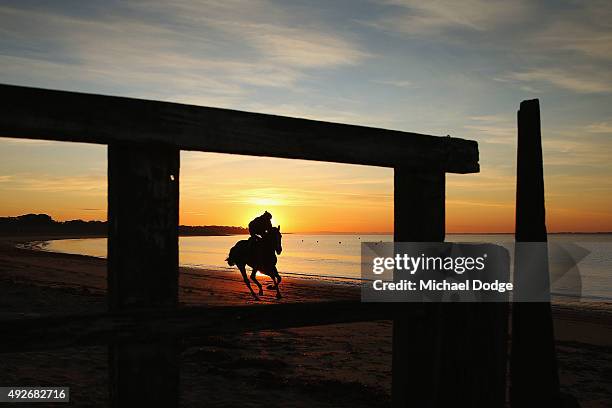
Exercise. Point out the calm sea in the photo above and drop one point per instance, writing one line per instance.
(338, 256)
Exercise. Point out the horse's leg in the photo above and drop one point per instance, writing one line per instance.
(246, 280)
(277, 279)
(254, 279)
(274, 278)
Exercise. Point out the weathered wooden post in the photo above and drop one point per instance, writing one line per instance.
(419, 216)
(456, 354)
(534, 377)
(143, 199)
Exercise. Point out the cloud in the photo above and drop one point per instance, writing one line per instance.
(213, 52)
(124, 51)
(295, 47)
(586, 30)
(492, 129)
(394, 83)
(86, 185)
(579, 37)
(601, 127)
(564, 46)
(478, 203)
(285, 192)
(494, 179)
(278, 36)
(432, 17)
(571, 154)
(580, 81)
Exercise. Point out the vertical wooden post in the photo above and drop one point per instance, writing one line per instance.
(419, 216)
(143, 199)
(533, 365)
(456, 354)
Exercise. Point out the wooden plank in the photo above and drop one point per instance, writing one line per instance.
(78, 117)
(43, 333)
(533, 365)
(143, 201)
(419, 216)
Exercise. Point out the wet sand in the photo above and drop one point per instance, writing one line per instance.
(328, 366)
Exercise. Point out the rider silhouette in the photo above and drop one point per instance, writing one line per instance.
(260, 226)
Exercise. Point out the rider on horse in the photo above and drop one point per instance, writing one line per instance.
(260, 226)
(259, 252)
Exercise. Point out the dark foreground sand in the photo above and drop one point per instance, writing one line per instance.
(330, 366)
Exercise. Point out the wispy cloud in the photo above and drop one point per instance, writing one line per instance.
(394, 82)
(585, 29)
(300, 47)
(600, 127)
(203, 51)
(570, 153)
(277, 35)
(479, 203)
(85, 185)
(580, 37)
(567, 47)
(493, 129)
(577, 81)
(433, 17)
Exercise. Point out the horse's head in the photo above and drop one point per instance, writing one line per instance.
(276, 239)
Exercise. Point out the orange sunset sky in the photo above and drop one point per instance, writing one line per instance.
(303, 196)
(425, 67)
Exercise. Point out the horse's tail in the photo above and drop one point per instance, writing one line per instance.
(230, 261)
(238, 255)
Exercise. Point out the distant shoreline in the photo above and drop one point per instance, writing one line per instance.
(48, 236)
(44, 224)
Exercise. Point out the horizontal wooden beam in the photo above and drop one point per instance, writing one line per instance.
(43, 333)
(35, 113)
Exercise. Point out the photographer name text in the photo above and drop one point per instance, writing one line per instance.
(442, 285)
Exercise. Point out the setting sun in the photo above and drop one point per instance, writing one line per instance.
(277, 217)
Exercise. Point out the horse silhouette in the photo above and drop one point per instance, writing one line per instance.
(261, 256)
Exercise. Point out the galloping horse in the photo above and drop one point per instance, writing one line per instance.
(261, 256)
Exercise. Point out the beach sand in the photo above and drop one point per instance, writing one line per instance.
(327, 366)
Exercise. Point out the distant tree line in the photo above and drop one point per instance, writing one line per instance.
(44, 224)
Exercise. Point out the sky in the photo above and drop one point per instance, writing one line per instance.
(436, 67)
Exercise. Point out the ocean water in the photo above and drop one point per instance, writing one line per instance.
(338, 255)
